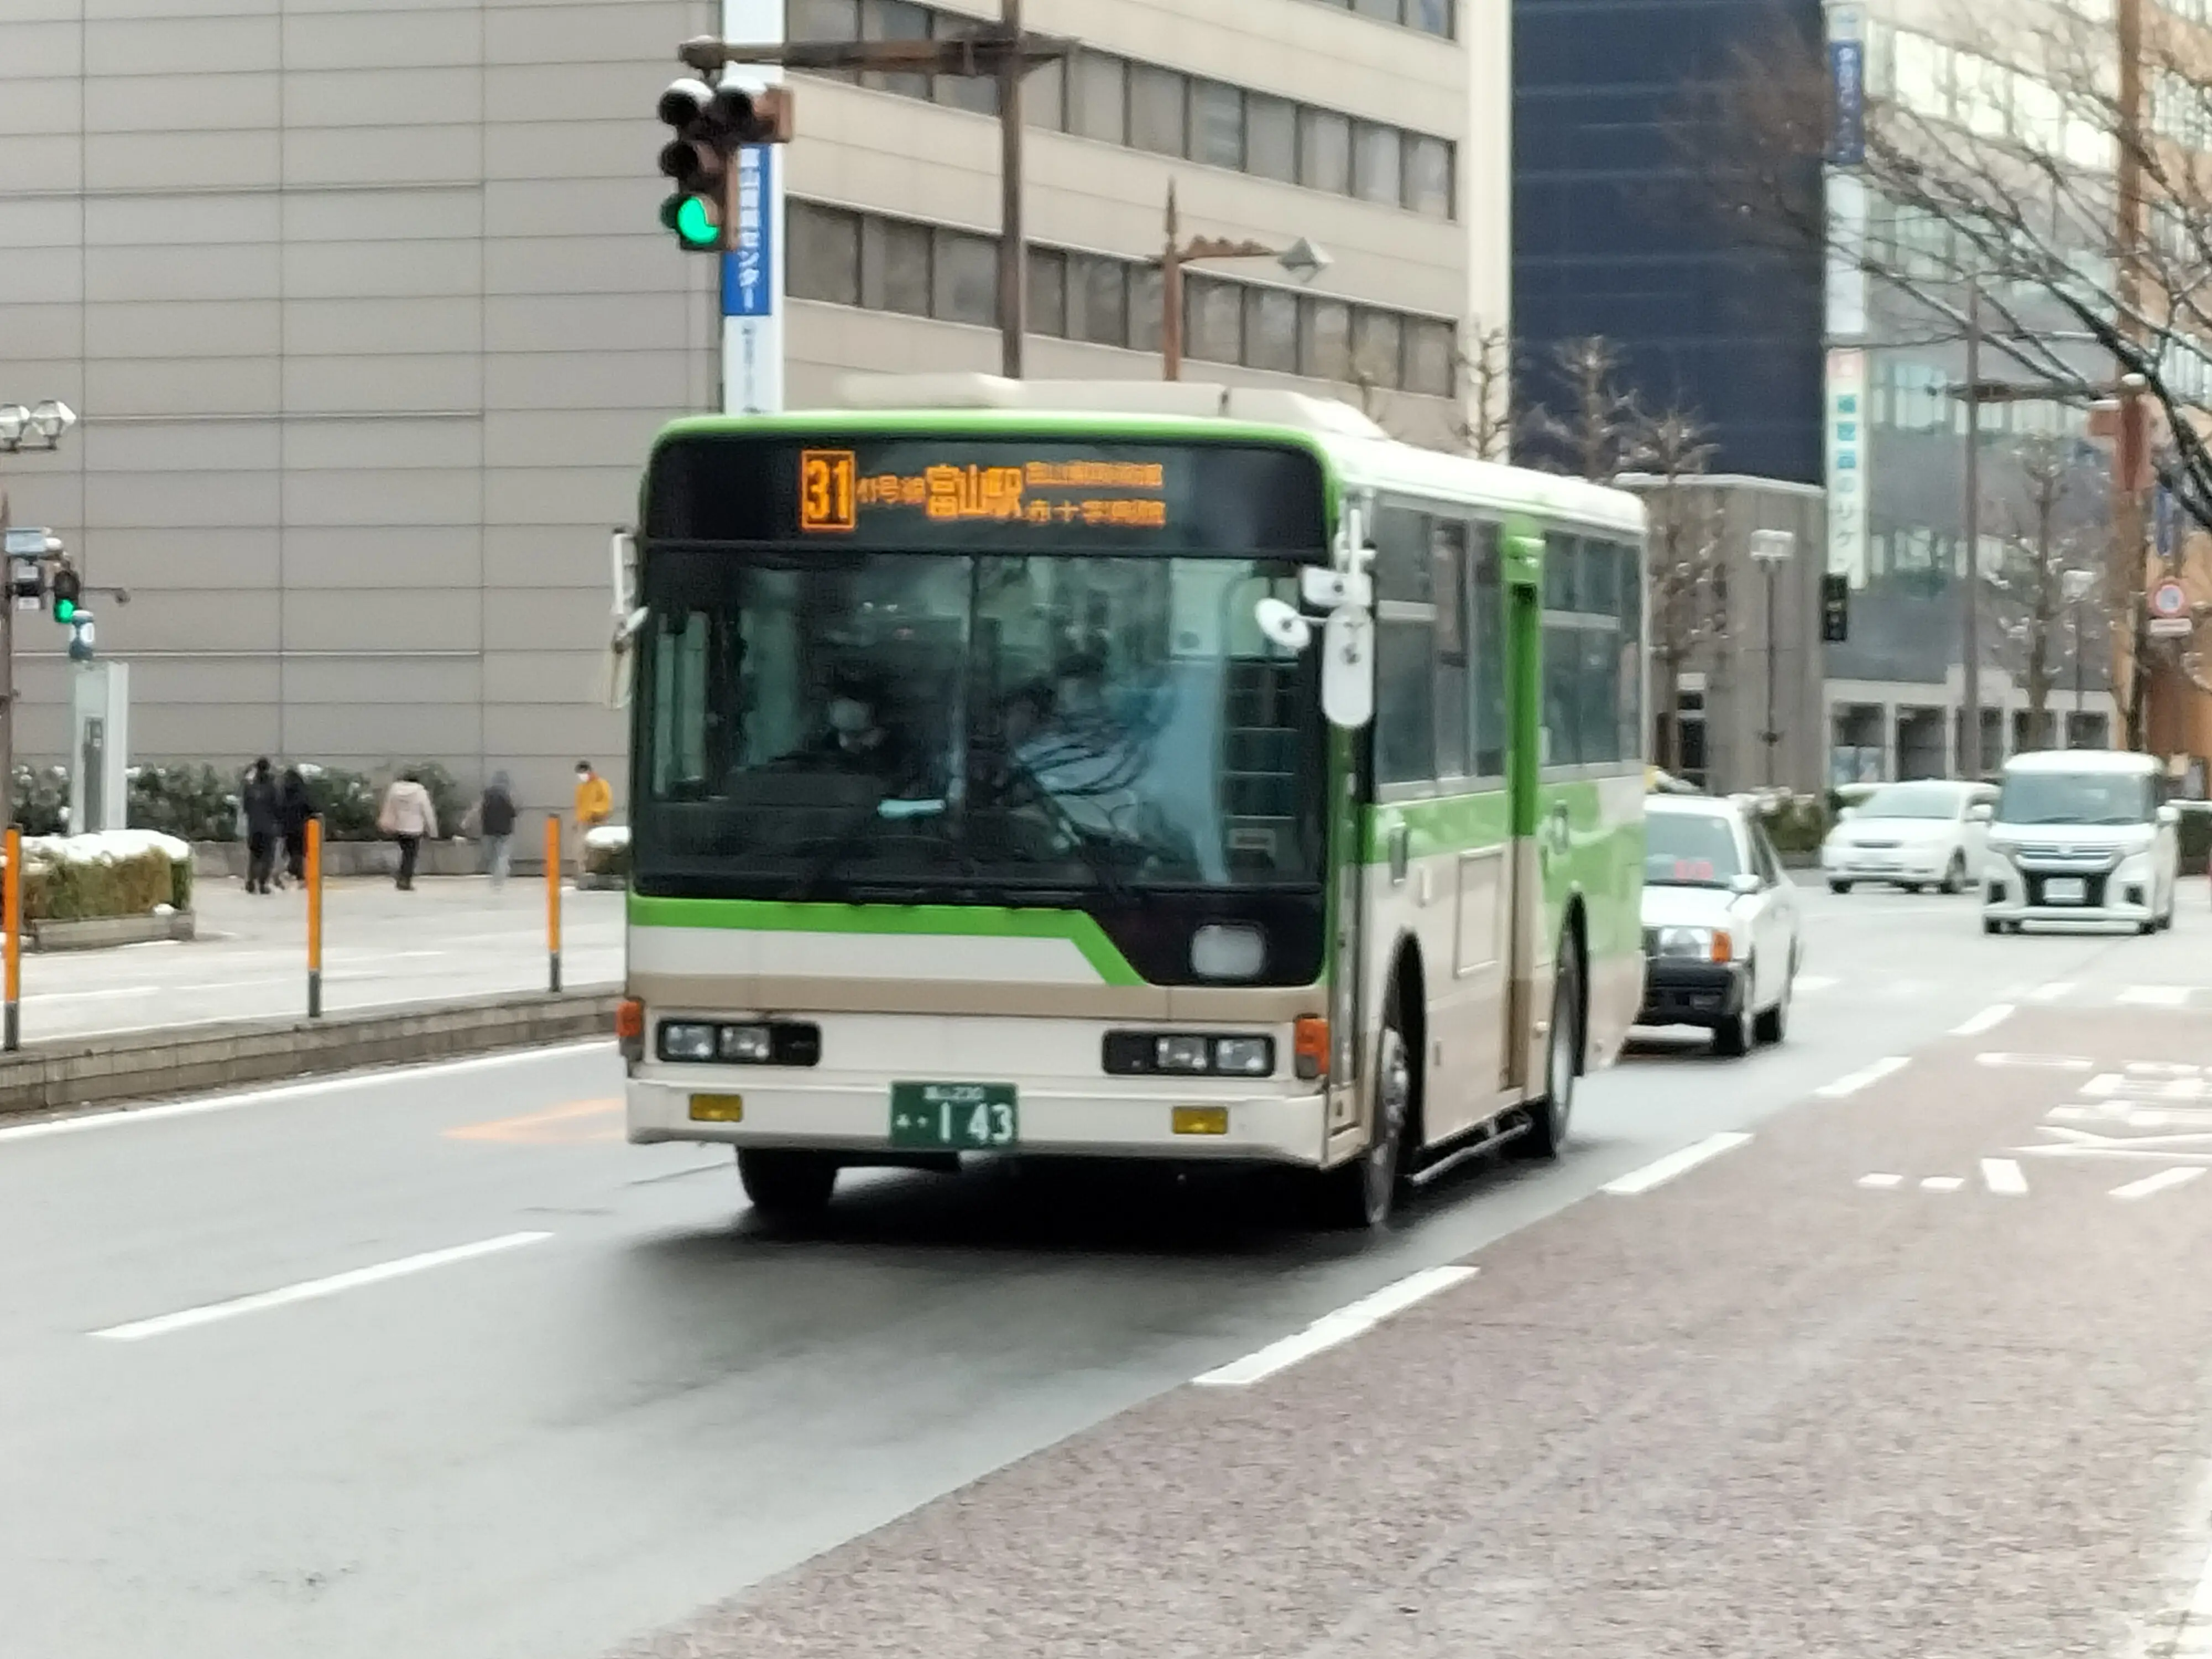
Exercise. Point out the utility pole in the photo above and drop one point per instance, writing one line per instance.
(2131, 450)
(1004, 52)
(1970, 721)
(1771, 550)
(1301, 259)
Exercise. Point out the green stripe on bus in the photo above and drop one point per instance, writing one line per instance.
(1456, 823)
(967, 921)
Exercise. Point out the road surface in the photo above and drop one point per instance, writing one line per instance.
(1907, 1361)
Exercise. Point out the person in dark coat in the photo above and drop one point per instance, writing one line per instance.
(258, 805)
(293, 811)
(493, 818)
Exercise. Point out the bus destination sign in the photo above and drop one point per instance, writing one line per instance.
(836, 495)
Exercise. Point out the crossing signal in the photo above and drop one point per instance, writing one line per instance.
(711, 124)
(80, 645)
(1835, 610)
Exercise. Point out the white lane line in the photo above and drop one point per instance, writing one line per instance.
(1354, 1319)
(2153, 996)
(2003, 1174)
(309, 1290)
(1942, 1183)
(2044, 1062)
(1664, 1170)
(87, 996)
(1881, 1183)
(2163, 1181)
(2053, 993)
(1807, 984)
(1861, 1078)
(1987, 1020)
(116, 1117)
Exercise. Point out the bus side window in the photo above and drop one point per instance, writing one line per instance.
(1488, 648)
(1405, 646)
(1449, 543)
(1629, 645)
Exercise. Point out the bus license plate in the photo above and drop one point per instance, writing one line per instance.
(954, 1116)
(2064, 889)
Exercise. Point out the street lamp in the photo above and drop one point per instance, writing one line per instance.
(1301, 259)
(44, 421)
(2075, 586)
(1771, 549)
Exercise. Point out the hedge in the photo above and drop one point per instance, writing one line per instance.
(120, 873)
(198, 803)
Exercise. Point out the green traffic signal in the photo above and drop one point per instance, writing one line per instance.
(692, 219)
(64, 610)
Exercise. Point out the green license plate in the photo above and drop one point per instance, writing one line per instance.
(954, 1116)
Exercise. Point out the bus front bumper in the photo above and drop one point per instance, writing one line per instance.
(855, 1118)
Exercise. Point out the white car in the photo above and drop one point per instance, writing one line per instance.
(1914, 835)
(2080, 835)
(1721, 943)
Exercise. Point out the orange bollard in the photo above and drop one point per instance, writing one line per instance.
(11, 895)
(314, 874)
(553, 901)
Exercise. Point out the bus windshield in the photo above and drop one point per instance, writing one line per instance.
(828, 724)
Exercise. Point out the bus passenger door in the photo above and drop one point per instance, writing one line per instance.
(1528, 963)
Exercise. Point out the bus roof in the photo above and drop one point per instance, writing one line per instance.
(1358, 450)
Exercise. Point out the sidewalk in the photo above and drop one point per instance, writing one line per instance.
(448, 939)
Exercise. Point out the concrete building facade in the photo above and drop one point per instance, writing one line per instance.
(369, 317)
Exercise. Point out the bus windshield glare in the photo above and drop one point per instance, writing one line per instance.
(817, 722)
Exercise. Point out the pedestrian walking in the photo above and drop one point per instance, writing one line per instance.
(493, 818)
(407, 817)
(258, 805)
(595, 804)
(294, 809)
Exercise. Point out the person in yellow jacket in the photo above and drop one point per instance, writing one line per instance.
(595, 804)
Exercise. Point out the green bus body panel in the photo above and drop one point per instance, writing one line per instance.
(1601, 860)
(1447, 824)
(969, 921)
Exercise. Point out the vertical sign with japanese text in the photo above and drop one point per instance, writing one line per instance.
(1847, 471)
(752, 270)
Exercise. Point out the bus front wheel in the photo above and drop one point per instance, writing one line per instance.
(789, 1188)
(1548, 1117)
(1361, 1193)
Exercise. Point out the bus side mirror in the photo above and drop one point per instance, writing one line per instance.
(1347, 668)
(1280, 622)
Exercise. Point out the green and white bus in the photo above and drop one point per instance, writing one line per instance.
(1124, 771)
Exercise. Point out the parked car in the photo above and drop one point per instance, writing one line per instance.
(2080, 834)
(1722, 939)
(1915, 836)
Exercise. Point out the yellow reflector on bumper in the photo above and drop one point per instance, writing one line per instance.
(718, 1109)
(1201, 1119)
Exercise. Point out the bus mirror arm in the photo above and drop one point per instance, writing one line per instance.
(1332, 590)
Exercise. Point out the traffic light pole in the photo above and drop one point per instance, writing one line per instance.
(1004, 52)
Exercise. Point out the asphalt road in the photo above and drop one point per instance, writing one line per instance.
(504, 1386)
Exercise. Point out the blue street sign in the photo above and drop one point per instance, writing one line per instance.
(1847, 73)
(748, 269)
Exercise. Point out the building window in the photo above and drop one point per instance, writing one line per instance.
(1325, 150)
(1429, 177)
(894, 266)
(1147, 308)
(1213, 320)
(1158, 107)
(964, 288)
(1216, 125)
(1097, 300)
(1429, 16)
(1044, 96)
(1376, 343)
(1271, 330)
(1378, 172)
(1324, 340)
(824, 20)
(1387, 11)
(1431, 351)
(976, 93)
(1271, 138)
(895, 20)
(1047, 291)
(1099, 107)
(825, 255)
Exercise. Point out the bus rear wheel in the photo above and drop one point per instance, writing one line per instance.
(1562, 1060)
(1361, 1193)
(789, 1188)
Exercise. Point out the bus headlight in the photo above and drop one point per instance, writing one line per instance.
(1182, 1054)
(1187, 1054)
(686, 1040)
(1244, 1056)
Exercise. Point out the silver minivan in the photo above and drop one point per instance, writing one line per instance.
(2080, 834)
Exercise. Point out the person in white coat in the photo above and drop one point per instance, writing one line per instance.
(407, 817)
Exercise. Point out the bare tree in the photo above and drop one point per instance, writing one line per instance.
(1492, 419)
(1687, 576)
(2045, 545)
(1597, 432)
(2060, 171)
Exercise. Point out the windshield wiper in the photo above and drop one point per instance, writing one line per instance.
(1094, 859)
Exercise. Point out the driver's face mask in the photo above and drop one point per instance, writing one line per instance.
(849, 717)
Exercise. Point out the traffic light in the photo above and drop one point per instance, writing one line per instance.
(711, 124)
(67, 588)
(1835, 609)
(80, 645)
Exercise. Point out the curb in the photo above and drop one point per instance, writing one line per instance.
(143, 1066)
(98, 932)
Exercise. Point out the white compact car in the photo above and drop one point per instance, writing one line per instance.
(1914, 835)
(2080, 835)
(1721, 936)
